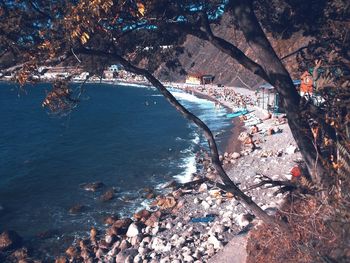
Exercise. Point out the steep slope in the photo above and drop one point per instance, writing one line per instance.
(203, 58)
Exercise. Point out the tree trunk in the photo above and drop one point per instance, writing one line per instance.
(281, 80)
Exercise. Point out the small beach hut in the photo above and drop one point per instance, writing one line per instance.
(193, 79)
(207, 79)
(268, 97)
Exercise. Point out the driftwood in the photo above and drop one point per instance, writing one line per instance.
(302, 185)
(175, 185)
(193, 183)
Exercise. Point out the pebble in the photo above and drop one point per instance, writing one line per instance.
(124, 245)
(210, 250)
(143, 251)
(241, 220)
(179, 242)
(169, 225)
(291, 149)
(138, 258)
(215, 242)
(136, 240)
(157, 244)
(203, 188)
(155, 230)
(188, 258)
(235, 155)
(205, 205)
(216, 228)
(165, 260)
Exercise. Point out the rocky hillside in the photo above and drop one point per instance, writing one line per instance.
(203, 58)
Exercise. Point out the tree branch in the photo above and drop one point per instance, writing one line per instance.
(281, 80)
(229, 184)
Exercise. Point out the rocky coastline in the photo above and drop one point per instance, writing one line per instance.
(196, 221)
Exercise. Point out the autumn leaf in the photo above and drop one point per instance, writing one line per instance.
(141, 8)
(84, 38)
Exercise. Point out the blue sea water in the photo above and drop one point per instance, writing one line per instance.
(129, 138)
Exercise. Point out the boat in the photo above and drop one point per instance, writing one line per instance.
(237, 113)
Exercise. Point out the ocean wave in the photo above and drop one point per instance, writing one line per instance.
(196, 140)
(191, 98)
(189, 163)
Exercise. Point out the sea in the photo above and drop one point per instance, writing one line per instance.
(128, 138)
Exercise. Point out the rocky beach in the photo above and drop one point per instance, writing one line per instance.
(196, 221)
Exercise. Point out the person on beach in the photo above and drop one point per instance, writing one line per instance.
(250, 142)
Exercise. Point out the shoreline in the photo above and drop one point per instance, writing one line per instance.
(193, 222)
(233, 145)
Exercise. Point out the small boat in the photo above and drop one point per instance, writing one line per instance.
(237, 113)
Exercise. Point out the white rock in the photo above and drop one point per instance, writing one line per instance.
(137, 259)
(179, 242)
(143, 250)
(169, 225)
(203, 188)
(146, 240)
(133, 231)
(167, 247)
(196, 201)
(175, 237)
(216, 228)
(186, 250)
(197, 254)
(210, 250)
(241, 220)
(147, 229)
(165, 260)
(135, 240)
(179, 225)
(157, 244)
(291, 149)
(109, 239)
(155, 230)
(205, 205)
(235, 155)
(215, 242)
(188, 258)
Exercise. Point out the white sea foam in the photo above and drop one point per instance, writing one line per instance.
(189, 163)
(196, 140)
(191, 98)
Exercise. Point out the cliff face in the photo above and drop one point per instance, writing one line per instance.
(203, 58)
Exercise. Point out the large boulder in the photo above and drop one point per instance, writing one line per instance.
(133, 230)
(9, 240)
